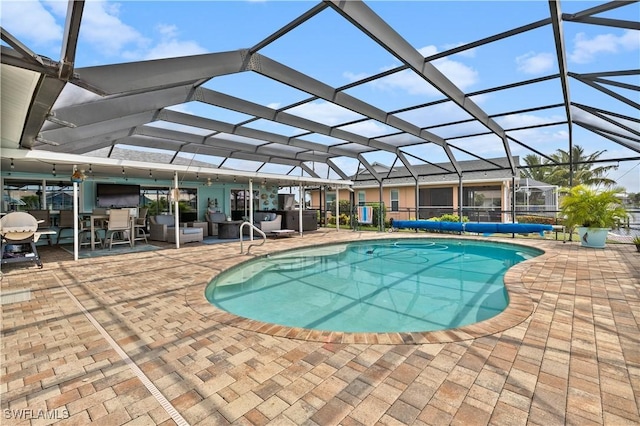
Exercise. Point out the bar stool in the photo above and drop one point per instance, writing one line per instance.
(140, 225)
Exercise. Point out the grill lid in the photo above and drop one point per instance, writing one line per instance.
(18, 226)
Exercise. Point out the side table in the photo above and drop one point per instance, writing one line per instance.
(229, 229)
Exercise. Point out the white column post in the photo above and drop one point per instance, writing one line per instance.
(250, 209)
(175, 208)
(75, 221)
(300, 204)
(337, 208)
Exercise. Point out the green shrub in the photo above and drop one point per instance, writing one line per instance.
(591, 208)
(451, 218)
(344, 220)
(546, 220)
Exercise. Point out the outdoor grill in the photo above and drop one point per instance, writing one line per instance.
(19, 234)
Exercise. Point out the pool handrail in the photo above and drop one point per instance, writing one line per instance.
(255, 228)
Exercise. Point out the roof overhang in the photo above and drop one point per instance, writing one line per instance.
(38, 161)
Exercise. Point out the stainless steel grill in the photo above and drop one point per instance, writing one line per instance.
(19, 234)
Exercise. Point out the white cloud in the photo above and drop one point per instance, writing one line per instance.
(351, 76)
(435, 114)
(170, 45)
(586, 49)
(406, 81)
(174, 48)
(324, 112)
(537, 135)
(369, 128)
(409, 82)
(21, 17)
(523, 120)
(167, 31)
(103, 28)
(461, 75)
(535, 63)
(57, 7)
(428, 50)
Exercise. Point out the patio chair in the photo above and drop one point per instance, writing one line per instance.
(141, 225)
(44, 222)
(162, 228)
(118, 228)
(84, 228)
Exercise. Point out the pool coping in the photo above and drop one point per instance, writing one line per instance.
(520, 308)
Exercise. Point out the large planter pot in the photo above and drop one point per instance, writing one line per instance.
(593, 237)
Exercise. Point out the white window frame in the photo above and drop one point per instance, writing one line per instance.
(396, 199)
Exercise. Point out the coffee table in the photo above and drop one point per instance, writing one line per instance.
(229, 229)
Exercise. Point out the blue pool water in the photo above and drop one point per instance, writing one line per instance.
(403, 285)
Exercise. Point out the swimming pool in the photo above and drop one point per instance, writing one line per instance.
(393, 285)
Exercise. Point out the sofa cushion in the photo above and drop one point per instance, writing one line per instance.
(187, 231)
(165, 219)
(217, 217)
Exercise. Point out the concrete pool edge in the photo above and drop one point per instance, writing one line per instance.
(520, 307)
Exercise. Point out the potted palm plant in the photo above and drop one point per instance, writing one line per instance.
(636, 241)
(593, 212)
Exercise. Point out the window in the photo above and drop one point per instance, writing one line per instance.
(240, 203)
(361, 198)
(330, 198)
(157, 200)
(435, 202)
(483, 203)
(394, 200)
(25, 195)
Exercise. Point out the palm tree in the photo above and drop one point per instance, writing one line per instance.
(583, 168)
(537, 170)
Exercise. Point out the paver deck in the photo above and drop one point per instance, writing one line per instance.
(129, 339)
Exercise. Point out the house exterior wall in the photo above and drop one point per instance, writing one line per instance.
(407, 199)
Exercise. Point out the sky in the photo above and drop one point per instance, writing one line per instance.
(332, 51)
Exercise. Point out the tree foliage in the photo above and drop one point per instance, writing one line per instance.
(584, 171)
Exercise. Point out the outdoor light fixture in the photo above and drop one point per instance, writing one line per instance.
(123, 170)
(12, 166)
(53, 172)
(150, 174)
(90, 170)
(209, 183)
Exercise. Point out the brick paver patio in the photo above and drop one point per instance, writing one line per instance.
(130, 340)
